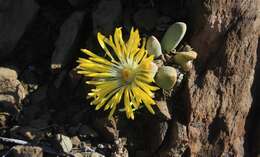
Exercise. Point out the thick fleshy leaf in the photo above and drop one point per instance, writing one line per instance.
(173, 36)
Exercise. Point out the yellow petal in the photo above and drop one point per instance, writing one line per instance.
(128, 108)
(89, 53)
(140, 54)
(148, 101)
(135, 103)
(101, 39)
(146, 88)
(114, 101)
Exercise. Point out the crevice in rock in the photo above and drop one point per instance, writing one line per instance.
(252, 126)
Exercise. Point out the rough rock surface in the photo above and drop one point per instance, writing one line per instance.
(219, 90)
(106, 16)
(11, 90)
(215, 112)
(28, 151)
(15, 17)
(66, 45)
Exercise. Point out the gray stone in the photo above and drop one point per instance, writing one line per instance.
(3, 120)
(26, 151)
(11, 90)
(15, 16)
(84, 130)
(6, 73)
(162, 110)
(64, 143)
(78, 155)
(177, 140)
(106, 128)
(92, 154)
(106, 16)
(67, 41)
(120, 150)
(75, 141)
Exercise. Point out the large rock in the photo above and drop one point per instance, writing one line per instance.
(26, 151)
(68, 40)
(146, 133)
(11, 90)
(106, 16)
(15, 17)
(106, 128)
(218, 94)
(177, 140)
(63, 143)
(219, 89)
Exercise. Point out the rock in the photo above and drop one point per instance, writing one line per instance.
(106, 16)
(86, 131)
(146, 18)
(26, 151)
(6, 73)
(163, 23)
(41, 122)
(3, 120)
(78, 155)
(35, 114)
(162, 110)
(27, 133)
(219, 100)
(15, 17)
(11, 90)
(39, 95)
(145, 133)
(106, 128)
(2, 147)
(68, 40)
(155, 134)
(75, 141)
(64, 143)
(29, 78)
(177, 140)
(120, 150)
(92, 154)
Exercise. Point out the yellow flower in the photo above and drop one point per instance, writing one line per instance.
(126, 74)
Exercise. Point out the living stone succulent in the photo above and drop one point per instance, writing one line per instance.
(153, 47)
(187, 66)
(184, 59)
(154, 69)
(166, 77)
(173, 36)
(127, 70)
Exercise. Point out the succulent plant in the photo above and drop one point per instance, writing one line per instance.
(154, 69)
(173, 36)
(153, 47)
(184, 59)
(187, 66)
(166, 77)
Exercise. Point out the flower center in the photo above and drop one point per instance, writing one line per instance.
(127, 75)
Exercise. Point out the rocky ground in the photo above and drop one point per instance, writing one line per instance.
(42, 99)
(43, 105)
